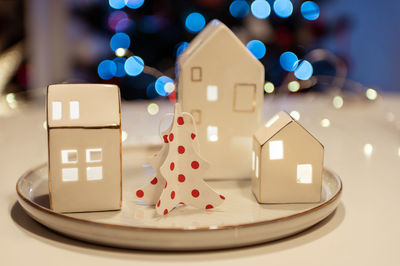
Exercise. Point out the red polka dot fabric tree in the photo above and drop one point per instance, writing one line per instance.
(180, 171)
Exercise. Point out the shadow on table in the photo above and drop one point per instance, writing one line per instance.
(50, 237)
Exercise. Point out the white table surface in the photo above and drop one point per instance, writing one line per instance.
(364, 230)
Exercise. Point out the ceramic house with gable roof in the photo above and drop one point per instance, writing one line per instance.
(221, 84)
(84, 147)
(287, 162)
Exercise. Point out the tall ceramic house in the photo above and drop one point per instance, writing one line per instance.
(84, 142)
(287, 162)
(221, 84)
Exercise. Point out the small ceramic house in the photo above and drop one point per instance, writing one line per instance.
(287, 162)
(221, 84)
(84, 142)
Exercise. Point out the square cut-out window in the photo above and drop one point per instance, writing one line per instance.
(196, 115)
(94, 155)
(276, 150)
(74, 110)
(56, 110)
(304, 173)
(196, 73)
(212, 93)
(94, 173)
(69, 156)
(244, 98)
(212, 133)
(69, 174)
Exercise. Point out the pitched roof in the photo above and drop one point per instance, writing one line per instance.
(274, 125)
(98, 105)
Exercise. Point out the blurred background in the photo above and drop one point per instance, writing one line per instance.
(320, 45)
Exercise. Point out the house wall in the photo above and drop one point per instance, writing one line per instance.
(256, 169)
(279, 176)
(83, 194)
(224, 64)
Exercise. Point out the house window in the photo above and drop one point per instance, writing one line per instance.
(74, 110)
(244, 99)
(93, 155)
(196, 115)
(94, 173)
(304, 173)
(196, 74)
(276, 150)
(257, 167)
(253, 161)
(212, 133)
(56, 110)
(212, 93)
(272, 120)
(69, 174)
(69, 156)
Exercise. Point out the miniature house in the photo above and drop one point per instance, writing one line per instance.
(287, 162)
(84, 142)
(221, 84)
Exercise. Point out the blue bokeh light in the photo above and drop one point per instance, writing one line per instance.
(160, 85)
(117, 4)
(257, 48)
(288, 61)
(304, 71)
(106, 69)
(283, 8)
(120, 64)
(120, 40)
(310, 10)
(239, 8)
(181, 47)
(195, 22)
(134, 65)
(260, 9)
(134, 4)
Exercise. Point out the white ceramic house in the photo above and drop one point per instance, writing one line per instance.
(221, 84)
(287, 162)
(84, 144)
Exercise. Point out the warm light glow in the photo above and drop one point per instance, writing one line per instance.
(44, 124)
(304, 173)
(69, 156)
(10, 98)
(276, 150)
(257, 167)
(124, 135)
(69, 174)
(94, 173)
(94, 155)
(272, 120)
(295, 114)
(337, 102)
(74, 110)
(120, 52)
(294, 86)
(212, 93)
(212, 133)
(57, 110)
(153, 109)
(398, 151)
(269, 87)
(368, 149)
(325, 122)
(253, 161)
(371, 94)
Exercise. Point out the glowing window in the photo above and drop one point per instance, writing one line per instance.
(93, 155)
(272, 120)
(253, 161)
(212, 93)
(257, 167)
(69, 174)
(196, 74)
(304, 173)
(276, 150)
(69, 156)
(94, 173)
(74, 110)
(212, 133)
(57, 110)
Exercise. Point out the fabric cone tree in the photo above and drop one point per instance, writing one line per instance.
(179, 171)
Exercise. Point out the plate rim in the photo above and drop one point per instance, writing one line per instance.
(205, 228)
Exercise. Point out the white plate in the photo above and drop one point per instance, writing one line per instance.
(240, 221)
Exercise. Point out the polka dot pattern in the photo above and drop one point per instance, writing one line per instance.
(209, 206)
(222, 197)
(140, 193)
(154, 181)
(172, 194)
(192, 135)
(181, 178)
(195, 193)
(171, 137)
(195, 164)
(181, 149)
(180, 120)
(165, 137)
(172, 166)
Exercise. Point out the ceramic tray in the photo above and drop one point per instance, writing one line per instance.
(240, 221)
